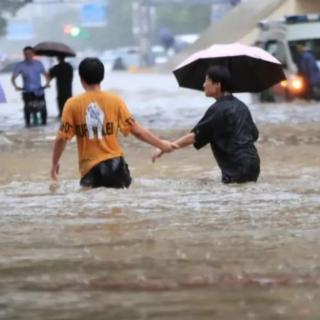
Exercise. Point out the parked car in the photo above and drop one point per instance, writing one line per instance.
(123, 58)
(182, 41)
(108, 58)
(279, 38)
(159, 54)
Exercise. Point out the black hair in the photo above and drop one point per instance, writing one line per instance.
(301, 43)
(27, 48)
(91, 70)
(218, 73)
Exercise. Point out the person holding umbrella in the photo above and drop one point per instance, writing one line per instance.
(228, 126)
(220, 70)
(63, 72)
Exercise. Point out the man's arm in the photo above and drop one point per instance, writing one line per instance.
(147, 136)
(47, 78)
(13, 81)
(182, 142)
(58, 148)
(44, 73)
(186, 140)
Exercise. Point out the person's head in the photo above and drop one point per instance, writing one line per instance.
(28, 53)
(91, 71)
(61, 58)
(217, 81)
(301, 46)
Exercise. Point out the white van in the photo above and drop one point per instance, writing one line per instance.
(279, 38)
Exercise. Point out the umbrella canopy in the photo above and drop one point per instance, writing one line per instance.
(252, 69)
(53, 49)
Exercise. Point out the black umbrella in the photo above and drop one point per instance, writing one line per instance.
(53, 49)
(252, 69)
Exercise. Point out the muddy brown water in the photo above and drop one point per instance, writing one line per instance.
(177, 244)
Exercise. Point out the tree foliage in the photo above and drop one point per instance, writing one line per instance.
(183, 19)
(118, 30)
(177, 18)
(7, 8)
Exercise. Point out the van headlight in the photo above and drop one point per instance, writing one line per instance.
(295, 84)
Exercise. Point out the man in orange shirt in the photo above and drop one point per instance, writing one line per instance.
(95, 118)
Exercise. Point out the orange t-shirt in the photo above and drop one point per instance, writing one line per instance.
(94, 117)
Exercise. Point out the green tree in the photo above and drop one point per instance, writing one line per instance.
(7, 8)
(118, 31)
(183, 19)
(177, 18)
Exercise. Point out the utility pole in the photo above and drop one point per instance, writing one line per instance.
(143, 23)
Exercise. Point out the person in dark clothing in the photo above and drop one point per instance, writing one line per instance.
(309, 70)
(63, 72)
(228, 126)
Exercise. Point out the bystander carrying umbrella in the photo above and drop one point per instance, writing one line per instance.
(252, 69)
(53, 49)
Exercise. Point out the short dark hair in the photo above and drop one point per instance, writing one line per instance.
(301, 43)
(27, 48)
(218, 73)
(91, 70)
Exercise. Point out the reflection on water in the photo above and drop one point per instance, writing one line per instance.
(178, 244)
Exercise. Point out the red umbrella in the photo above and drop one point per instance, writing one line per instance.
(53, 49)
(252, 69)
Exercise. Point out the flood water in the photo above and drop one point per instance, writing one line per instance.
(178, 244)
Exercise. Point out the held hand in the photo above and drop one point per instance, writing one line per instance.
(157, 154)
(168, 146)
(55, 171)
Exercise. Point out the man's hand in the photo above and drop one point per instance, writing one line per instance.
(168, 146)
(55, 171)
(58, 148)
(157, 154)
(18, 88)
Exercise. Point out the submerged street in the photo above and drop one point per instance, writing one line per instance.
(178, 244)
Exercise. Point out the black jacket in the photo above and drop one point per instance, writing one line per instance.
(228, 126)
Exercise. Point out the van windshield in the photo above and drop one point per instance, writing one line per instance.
(303, 31)
(313, 44)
